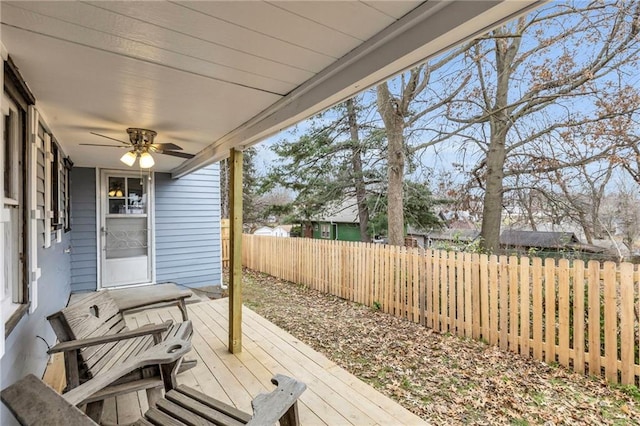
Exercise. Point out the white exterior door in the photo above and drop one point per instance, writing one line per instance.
(125, 232)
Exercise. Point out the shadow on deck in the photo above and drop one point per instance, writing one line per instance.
(333, 396)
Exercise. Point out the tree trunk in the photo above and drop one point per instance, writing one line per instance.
(394, 129)
(494, 192)
(497, 154)
(358, 178)
(395, 204)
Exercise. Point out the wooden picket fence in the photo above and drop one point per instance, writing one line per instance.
(224, 241)
(582, 316)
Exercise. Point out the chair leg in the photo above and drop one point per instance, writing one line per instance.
(169, 373)
(187, 364)
(290, 418)
(94, 410)
(154, 395)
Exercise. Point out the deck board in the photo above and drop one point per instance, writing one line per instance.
(333, 396)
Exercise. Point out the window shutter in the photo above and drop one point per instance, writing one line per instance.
(48, 159)
(35, 202)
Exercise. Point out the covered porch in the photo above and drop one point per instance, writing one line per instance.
(210, 79)
(333, 396)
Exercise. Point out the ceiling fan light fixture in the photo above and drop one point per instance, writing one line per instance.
(129, 158)
(146, 160)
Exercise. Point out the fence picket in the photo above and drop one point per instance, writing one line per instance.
(484, 295)
(444, 289)
(514, 287)
(467, 302)
(476, 296)
(578, 316)
(538, 311)
(610, 322)
(436, 289)
(525, 300)
(503, 312)
(493, 299)
(421, 262)
(563, 312)
(595, 350)
(550, 310)
(627, 334)
(415, 287)
(460, 288)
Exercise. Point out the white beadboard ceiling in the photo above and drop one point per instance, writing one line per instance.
(213, 75)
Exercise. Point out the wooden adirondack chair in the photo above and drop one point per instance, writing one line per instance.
(94, 338)
(34, 403)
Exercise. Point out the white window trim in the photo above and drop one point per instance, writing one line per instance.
(8, 304)
(328, 231)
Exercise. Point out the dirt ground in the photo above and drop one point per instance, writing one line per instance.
(442, 378)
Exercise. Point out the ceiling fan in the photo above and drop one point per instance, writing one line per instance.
(141, 146)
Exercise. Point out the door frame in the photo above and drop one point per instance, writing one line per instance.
(151, 243)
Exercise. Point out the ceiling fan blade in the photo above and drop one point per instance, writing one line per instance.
(110, 146)
(166, 146)
(109, 137)
(177, 154)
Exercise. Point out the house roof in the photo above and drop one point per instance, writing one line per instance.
(212, 76)
(345, 211)
(287, 228)
(453, 234)
(538, 239)
(550, 240)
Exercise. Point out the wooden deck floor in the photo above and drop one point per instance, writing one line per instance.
(333, 396)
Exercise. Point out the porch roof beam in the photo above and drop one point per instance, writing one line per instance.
(431, 28)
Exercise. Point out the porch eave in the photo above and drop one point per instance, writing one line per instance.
(429, 29)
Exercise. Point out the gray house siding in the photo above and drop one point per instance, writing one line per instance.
(83, 230)
(187, 220)
(25, 352)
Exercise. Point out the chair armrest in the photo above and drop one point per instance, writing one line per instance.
(167, 352)
(171, 299)
(33, 402)
(92, 341)
(270, 407)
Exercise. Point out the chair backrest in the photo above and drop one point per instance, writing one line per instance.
(93, 316)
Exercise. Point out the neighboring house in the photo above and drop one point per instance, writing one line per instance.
(527, 241)
(523, 242)
(264, 230)
(278, 231)
(282, 231)
(451, 237)
(339, 221)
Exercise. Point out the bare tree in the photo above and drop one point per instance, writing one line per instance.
(358, 171)
(541, 81)
(628, 215)
(400, 110)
